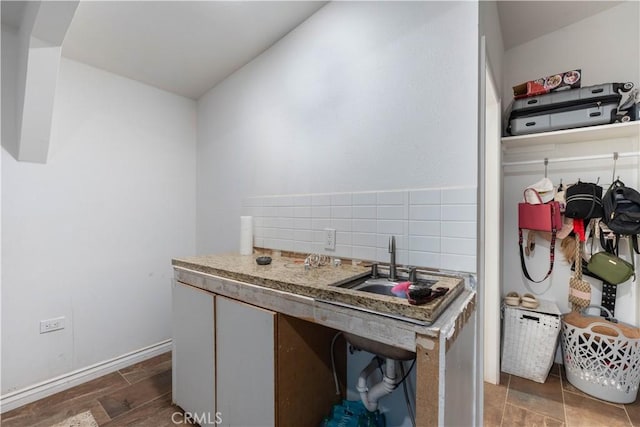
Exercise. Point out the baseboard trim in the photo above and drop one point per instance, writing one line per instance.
(46, 388)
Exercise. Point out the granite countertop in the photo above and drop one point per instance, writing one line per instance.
(287, 274)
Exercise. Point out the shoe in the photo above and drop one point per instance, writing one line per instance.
(512, 298)
(529, 301)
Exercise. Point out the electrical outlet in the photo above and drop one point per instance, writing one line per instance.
(330, 238)
(51, 325)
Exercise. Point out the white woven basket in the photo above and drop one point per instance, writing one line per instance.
(601, 365)
(529, 342)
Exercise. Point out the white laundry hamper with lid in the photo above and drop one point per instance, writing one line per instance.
(603, 365)
(529, 340)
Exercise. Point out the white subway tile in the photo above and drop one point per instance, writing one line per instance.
(270, 243)
(280, 201)
(269, 222)
(302, 212)
(320, 224)
(363, 252)
(302, 247)
(424, 228)
(458, 246)
(258, 221)
(282, 222)
(424, 212)
(459, 229)
(254, 211)
(391, 227)
(364, 212)
(341, 212)
(424, 259)
(458, 263)
(284, 233)
(284, 245)
(364, 239)
(341, 199)
(425, 197)
(270, 233)
(320, 200)
(303, 235)
(302, 224)
(392, 212)
(344, 251)
(402, 256)
(424, 244)
(459, 212)
(321, 212)
(393, 197)
(270, 211)
(459, 196)
(270, 201)
(341, 224)
(343, 238)
(285, 211)
(258, 242)
(302, 200)
(258, 232)
(364, 199)
(364, 225)
(382, 241)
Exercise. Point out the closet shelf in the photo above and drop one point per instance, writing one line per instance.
(591, 133)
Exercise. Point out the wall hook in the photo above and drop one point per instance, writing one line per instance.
(546, 164)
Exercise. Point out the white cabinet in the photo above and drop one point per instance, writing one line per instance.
(245, 385)
(245, 366)
(193, 359)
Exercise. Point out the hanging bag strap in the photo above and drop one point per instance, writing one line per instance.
(552, 251)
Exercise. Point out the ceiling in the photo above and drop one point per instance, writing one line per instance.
(184, 47)
(523, 21)
(187, 47)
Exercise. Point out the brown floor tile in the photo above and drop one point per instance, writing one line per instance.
(47, 418)
(545, 399)
(495, 397)
(633, 410)
(66, 403)
(157, 413)
(520, 417)
(147, 368)
(122, 401)
(584, 411)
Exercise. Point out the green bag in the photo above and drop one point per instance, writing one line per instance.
(610, 268)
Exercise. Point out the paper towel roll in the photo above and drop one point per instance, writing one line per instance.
(246, 235)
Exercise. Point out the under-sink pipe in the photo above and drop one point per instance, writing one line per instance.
(370, 396)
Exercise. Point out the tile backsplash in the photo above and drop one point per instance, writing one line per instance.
(433, 227)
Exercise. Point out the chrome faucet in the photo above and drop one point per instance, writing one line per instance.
(392, 261)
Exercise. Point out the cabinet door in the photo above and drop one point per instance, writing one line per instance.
(193, 351)
(245, 364)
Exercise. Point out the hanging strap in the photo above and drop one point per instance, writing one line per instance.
(552, 250)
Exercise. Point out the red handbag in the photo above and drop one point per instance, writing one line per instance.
(540, 217)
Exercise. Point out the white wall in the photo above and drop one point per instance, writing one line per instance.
(586, 45)
(361, 96)
(490, 28)
(605, 46)
(90, 235)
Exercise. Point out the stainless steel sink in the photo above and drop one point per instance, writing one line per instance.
(380, 286)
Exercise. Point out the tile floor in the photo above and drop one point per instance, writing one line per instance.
(521, 402)
(140, 395)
